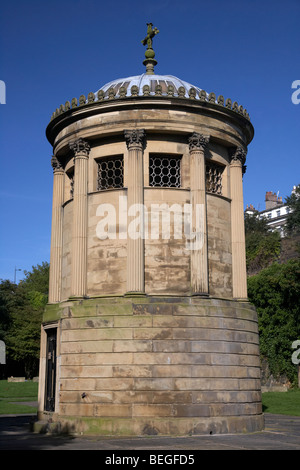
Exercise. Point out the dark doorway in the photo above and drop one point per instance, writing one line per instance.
(50, 369)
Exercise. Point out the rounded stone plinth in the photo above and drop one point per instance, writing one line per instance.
(157, 366)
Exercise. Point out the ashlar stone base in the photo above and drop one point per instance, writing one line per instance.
(146, 427)
(155, 366)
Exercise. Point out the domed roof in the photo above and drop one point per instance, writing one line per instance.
(152, 81)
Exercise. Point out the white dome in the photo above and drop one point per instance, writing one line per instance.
(151, 80)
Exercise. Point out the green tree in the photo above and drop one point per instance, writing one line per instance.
(262, 244)
(23, 307)
(293, 218)
(37, 280)
(9, 299)
(275, 292)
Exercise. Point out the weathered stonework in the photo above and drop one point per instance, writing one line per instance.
(158, 365)
(151, 336)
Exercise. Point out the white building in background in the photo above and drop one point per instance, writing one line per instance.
(276, 211)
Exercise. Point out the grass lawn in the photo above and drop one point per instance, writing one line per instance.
(283, 403)
(20, 392)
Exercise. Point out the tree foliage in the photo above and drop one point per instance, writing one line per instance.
(275, 292)
(293, 218)
(262, 244)
(21, 310)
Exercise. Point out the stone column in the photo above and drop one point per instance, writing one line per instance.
(56, 232)
(81, 150)
(135, 220)
(239, 272)
(199, 261)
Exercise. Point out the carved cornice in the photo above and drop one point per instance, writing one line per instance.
(198, 141)
(56, 165)
(135, 138)
(80, 147)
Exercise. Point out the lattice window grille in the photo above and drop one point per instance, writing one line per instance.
(71, 186)
(110, 173)
(164, 171)
(214, 178)
(70, 175)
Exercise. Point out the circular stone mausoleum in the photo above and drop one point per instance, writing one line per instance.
(148, 330)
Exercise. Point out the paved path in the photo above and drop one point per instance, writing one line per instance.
(280, 433)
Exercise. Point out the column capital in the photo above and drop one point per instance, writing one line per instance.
(56, 165)
(237, 155)
(135, 138)
(80, 147)
(198, 141)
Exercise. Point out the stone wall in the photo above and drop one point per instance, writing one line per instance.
(106, 270)
(66, 250)
(158, 366)
(167, 262)
(219, 246)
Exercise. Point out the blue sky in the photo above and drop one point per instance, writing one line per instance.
(50, 52)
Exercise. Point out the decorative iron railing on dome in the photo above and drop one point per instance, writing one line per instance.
(202, 97)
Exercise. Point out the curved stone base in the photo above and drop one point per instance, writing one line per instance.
(157, 366)
(154, 427)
